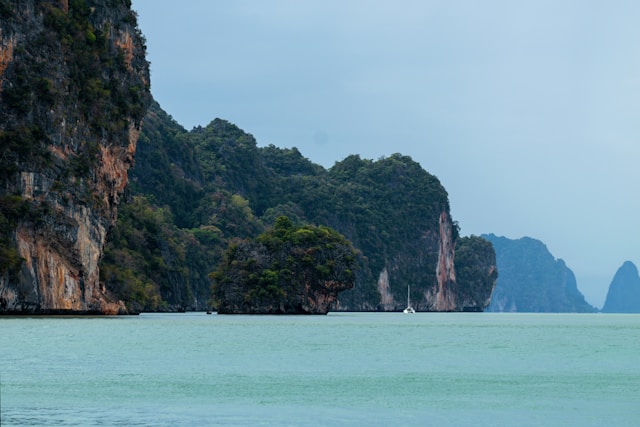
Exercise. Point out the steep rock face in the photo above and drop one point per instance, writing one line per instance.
(465, 272)
(386, 298)
(397, 215)
(624, 291)
(74, 90)
(444, 298)
(532, 280)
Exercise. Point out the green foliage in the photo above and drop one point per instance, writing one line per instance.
(12, 210)
(279, 269)
(151, 264)
(167, 169)
(6, 9)
(69, 61)
(230, 213)
(15, 210)
(18, 97)
(390, 210)
(69, 90)
(94, 77)
(19, 145)
(289, 209)
(92, 69)
(476, 268)
(288, 162)
(220, 187)
(230, 159)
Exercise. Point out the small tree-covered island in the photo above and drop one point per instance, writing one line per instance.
(286, 270)
(108, 206)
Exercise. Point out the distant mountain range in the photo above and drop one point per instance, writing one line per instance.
(530, 279)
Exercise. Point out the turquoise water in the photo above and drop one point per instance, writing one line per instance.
(343, 369)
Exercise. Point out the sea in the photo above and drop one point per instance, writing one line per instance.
(342, 369)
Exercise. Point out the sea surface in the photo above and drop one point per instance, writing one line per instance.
(343, 369)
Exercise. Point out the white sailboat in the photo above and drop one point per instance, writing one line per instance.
(409, 309)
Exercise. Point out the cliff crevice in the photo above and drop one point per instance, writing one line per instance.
(445, 271)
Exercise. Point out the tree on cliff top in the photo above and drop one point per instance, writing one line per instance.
(288, 269)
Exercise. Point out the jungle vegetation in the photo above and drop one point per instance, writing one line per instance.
(192, 194)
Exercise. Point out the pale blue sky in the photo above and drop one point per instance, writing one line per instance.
(525, 110)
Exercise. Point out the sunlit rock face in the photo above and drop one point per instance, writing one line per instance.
(74, 89)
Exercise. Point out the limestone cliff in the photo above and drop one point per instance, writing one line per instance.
(397, 214)
(624, 291)
(441, 297)
(465, 273)
(74, 90)
(532, 280)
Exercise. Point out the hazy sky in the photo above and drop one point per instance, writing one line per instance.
(527, 111)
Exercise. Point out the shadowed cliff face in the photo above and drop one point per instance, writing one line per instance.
(74, 89)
